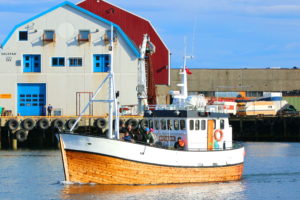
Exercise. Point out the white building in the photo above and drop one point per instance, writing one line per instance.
(60, 57)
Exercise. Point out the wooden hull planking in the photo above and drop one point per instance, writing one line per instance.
(93, 168)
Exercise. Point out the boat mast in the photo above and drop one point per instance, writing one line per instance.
(182, 96)
(112, 99)
(142, 83)
(112, 92)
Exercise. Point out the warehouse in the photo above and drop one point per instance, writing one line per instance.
(60, 57)
(250, 82)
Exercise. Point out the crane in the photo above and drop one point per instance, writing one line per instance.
(147, 48)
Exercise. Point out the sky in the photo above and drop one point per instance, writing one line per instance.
(219, 33)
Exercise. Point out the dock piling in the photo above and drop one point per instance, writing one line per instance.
(14, 144)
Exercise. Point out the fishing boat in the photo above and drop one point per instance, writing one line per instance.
(206, 154)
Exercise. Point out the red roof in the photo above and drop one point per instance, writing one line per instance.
(135, 27)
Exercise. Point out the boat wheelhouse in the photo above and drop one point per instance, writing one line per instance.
(199, 130)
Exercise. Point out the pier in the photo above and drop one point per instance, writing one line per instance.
(266, 128)
(39, 131)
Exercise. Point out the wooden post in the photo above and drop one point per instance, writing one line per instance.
(0, 137)
(256, 128)
(285, 135)
(14, 144)
(8, 138)
(241, 129)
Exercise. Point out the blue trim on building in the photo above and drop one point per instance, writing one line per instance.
(67, 3)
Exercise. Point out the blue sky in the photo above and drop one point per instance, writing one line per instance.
(220, 33)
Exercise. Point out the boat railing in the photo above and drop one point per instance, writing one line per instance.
(173, 107)
(235, 145)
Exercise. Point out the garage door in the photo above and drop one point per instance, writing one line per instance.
(31, 99)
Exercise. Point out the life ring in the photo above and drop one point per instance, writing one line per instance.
(133, 122)
(216, 135)
(13, 124)
(21, 135)
(28, 124)
(70, 123)
(100, 123)
(43, 124)
(59, 124)
(144, 123)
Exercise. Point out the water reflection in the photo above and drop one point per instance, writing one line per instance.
(230, 190)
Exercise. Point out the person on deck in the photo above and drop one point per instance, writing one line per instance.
(123, 128)
(138, 137)
(130, 131)
(148, 137)
(179, 144)
(127, 137)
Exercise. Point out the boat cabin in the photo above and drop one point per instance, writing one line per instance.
(199, 130)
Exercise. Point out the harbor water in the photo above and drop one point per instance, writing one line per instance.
(272, 171)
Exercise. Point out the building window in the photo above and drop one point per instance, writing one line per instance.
(101, 62)
(23, 35)
(75, 62)
(107, 37)
(84, 35)
(48, 36)
(58, 61)
(31, 63)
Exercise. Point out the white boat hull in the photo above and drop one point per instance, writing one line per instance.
(105, 161)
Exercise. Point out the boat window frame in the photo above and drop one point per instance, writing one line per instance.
(182, 125)
(157, 124)
(163, 124)
(150, 123)
(203, 124)
(176, 125)
(191, 124)
(222, 124)
(170, 124)
(197, 125)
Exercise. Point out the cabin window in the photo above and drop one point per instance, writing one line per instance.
(176, 124)
(23, 35)
(170, 124)
(75, 62)
(182, 124)
(222, 124)
(215, 124)
(197, 125)
(163, 124)
(150, 123)
(156, 124)
(58, 61)
(203, 124)
(191, 125)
